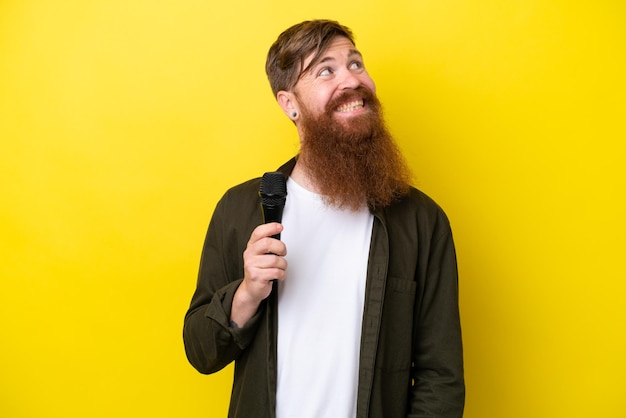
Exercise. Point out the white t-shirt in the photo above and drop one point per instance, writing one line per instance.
(320, 307)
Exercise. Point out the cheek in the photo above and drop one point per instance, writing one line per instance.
(312, 105)
(320, 99)
(368, 82)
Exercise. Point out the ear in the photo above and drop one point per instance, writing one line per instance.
(289, 104)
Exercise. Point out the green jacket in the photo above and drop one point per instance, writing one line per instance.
(411, 362)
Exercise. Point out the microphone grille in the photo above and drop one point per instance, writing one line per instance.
(273, 188)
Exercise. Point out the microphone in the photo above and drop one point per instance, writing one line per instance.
(273, 193)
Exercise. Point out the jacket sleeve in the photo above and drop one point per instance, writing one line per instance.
(210, 342)
(438, 388)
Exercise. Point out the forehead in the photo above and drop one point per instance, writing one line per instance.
(338, 47)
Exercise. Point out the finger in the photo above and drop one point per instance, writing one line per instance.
(273, 246)
(264, 266)
(264, 231)
(269, 261)
(264, 246)
(270, 274)
(263, 252)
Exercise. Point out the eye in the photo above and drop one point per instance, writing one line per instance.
(325, 72)
(356, 65)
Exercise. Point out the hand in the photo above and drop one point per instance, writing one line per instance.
(263, 262)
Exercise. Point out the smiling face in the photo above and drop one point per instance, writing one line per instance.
(347, 155)
(346, 152)
(337, 84)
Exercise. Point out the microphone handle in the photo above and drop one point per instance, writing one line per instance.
(273, 213)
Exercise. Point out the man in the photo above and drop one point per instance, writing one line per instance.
(354, 311)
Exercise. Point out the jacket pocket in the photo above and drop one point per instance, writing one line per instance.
(395, 344)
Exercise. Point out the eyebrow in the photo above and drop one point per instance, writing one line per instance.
(351, 53)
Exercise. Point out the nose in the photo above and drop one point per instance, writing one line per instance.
(349, 80)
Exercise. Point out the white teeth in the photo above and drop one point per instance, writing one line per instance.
(348, 107)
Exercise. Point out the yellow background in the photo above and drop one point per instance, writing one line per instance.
(123, 121)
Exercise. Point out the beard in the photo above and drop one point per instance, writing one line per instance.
(353, 162)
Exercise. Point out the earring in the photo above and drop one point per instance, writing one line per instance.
(294, 114)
